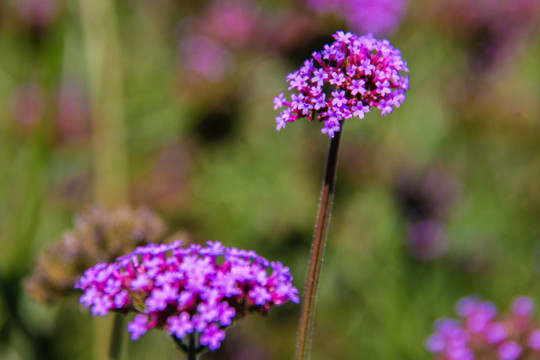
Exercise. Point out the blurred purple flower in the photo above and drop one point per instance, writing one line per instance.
(509, 351)
(534, 340)
(523, 306)
(465, 306)
(231, 22)
(496, 333)
(478, 321)
(380, 17)
(38, 13)
(211, 42)
(207, 57)
(241, 344)
(483, 334)
(425, 200)
(427, 239)
(186, 290)
(380, 74)
(430, 194)
(436, 343)
(73, 113)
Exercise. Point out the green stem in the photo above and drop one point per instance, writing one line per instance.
(192, 354)
(192, 348)
(115, 346)
(307, 318)
(105, 76)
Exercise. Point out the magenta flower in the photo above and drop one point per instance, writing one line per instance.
(509, 351)
(207, 57)
(213, 42)
(38, 13)
(483, 334)
(377, 16)
(534, 340)
(187, 291)
(364, 16)
(361, 72)
(523, 306)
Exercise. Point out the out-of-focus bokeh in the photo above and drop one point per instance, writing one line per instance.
(168, 105)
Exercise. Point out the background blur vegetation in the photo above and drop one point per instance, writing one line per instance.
(166, 104)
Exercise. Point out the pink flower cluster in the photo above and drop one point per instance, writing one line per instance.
(186, 290)
(355, 74)
(482, 334)
(212, 43)
(364, 16)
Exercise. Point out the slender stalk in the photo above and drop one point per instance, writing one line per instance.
(106, 80)
(192, 354)
(192, 349)
(307, 318)
(105, 77)
(115, 346)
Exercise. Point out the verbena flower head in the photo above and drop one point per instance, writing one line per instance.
(483, 334)
(186, 290)
(346, 79)
(100, 234)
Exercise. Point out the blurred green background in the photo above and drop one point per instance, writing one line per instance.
(165, 104)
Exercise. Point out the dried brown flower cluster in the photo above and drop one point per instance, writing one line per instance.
(99, 235)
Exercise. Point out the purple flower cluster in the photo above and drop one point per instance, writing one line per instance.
(360, 73)
(363, 16)
(185, 290)
(482, 334)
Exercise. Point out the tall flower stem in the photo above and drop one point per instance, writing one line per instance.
(193, 354)
(106, 83)
(115, 347)
(192, 349)
(307, 318)
(106, 80)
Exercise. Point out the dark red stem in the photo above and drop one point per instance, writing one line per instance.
(307, 319)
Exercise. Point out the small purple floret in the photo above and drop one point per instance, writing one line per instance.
(180, 325)
(509, 351)
(496, 333)
(436, 343)
(534, 340)
(212, 337)
(138, 326)
(523, 306)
